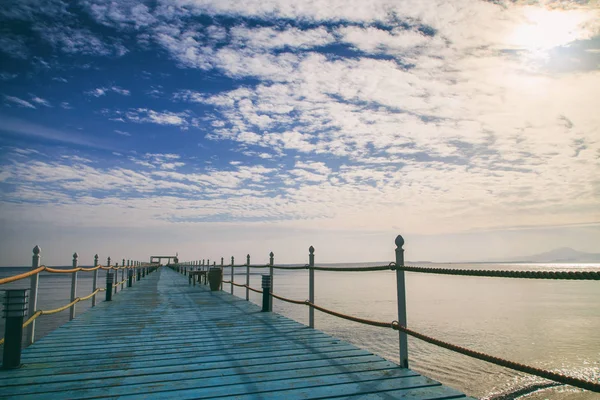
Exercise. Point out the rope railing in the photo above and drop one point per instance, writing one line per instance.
(51, 270)
(39, 313)
(553, 376)
(22, 276)
(564, 275)
(21, 303)
(119, 283)
(400, 325)
(568, 275)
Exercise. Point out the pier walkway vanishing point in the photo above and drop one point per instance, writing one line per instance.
(163, 338)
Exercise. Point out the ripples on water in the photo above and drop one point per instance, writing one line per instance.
(545, 323)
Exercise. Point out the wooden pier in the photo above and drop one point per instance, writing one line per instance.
(163, 338)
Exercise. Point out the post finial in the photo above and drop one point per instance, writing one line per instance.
(311, 250)
(399, 241)
(75, 256)
(96, 257)
(36, 250)
(271, 254)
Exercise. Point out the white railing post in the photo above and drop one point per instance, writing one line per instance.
(271, 260)
(311, 286)
(232, 264)
(35, 279)
(247, 277)
(401, 294)
(95, 280)
(73, 286)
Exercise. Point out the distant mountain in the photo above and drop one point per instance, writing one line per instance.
(563, 254)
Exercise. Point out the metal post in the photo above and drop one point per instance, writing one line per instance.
(266, 287)
(116, 283)
(95, 280)
(35, 279)
(123, 274)
(73, 286)
(15, 308)
(401, 294)
(311, 286)
(232, 264)
(221, 285)
(247, 277)
(139, 273)
(129, 274)
(207, 268)
(109, 285)
(271, 260)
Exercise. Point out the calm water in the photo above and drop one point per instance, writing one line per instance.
(549, 324)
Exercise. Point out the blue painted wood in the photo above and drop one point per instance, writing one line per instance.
(165, 339)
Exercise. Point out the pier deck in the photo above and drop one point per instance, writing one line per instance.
(166, 339)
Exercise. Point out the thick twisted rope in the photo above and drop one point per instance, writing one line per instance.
(55, 271)
(566, 275)
(570, 275)
(22, 276)
(553, 376)
(245, 286)
(118, 283)
(39, 313)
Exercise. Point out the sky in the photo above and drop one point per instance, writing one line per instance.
(218, 128)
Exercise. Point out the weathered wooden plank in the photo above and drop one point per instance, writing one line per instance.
(199, 350)
(165, 339)
(57, 350)
(367, 390)
(134, 359)
(245, 384)
(75, 374)
(196, 377)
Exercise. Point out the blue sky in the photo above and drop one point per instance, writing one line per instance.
(218, 128)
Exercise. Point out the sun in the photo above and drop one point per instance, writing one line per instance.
(542, 29)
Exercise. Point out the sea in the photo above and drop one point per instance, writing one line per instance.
(550, 324)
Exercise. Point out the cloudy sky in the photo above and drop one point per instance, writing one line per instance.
(218, 127)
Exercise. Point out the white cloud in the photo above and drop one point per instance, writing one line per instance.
(14, 46)
(39, 100)
(144, 115)
(271, 38)
(120, 91)
(122, 14)
(373, 40)
(98, 92)
(122, 133)
(79, 41)
(18, 101)
(442, 124)
(102, 91)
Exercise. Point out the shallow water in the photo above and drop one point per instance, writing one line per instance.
(545, 323)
